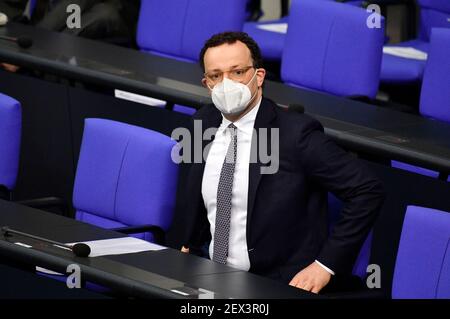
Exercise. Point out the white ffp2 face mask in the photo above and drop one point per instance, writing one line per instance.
(232, 97)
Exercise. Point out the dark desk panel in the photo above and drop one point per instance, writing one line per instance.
(20, 284)
(363, 127)
(147, 274)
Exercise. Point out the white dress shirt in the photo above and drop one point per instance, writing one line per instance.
(237, 247)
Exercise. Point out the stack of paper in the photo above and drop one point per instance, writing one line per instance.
(274, 27)
(406, 52)
(116, 246)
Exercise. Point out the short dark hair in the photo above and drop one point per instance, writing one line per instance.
(230, 38)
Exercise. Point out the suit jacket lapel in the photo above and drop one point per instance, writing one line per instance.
(265, 116)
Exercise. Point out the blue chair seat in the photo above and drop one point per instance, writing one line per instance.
(271, 43)
(396, 69)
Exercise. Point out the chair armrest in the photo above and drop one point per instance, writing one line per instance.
(158, 232)
(44, 202)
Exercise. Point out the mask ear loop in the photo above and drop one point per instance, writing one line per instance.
(256, 93)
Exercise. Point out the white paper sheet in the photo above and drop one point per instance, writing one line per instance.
(274, 27)
(142, 99)
(118, 246)
(406, 52)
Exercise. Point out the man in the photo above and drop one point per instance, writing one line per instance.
(271, 224)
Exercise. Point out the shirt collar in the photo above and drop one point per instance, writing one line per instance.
(245, 123)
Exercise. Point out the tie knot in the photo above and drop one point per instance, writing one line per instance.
(232, 127)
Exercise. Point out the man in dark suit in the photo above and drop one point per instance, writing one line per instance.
(273, 222)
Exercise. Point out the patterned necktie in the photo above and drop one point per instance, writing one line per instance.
(224, 192)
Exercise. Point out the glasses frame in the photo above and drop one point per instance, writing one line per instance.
(243, 69)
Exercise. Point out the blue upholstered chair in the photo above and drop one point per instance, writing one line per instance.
(270, 42)
(422, 268)
(320, 52)
(179, 28)
(398, 70)
(435, 95)
(10, 135)
(125, 177)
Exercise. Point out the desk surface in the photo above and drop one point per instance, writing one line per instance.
(356, 125)
(145, 274)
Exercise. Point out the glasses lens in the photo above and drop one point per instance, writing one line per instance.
(238, 74)
(214, 78)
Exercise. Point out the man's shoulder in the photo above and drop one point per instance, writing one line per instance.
(293, 119)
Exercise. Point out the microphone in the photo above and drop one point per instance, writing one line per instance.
(23, 42)
(79, 249)
(297, 108)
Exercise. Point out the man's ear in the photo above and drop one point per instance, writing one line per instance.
(204, 83)
(260, 76)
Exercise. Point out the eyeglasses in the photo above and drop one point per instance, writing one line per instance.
(234, 74)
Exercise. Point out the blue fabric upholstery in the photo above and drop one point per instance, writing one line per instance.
(435, 95)
(320, 51)
(125, 176)
(184, 109)
(270, 43)
(179, 28)
(422, 268)
(10, 135)
(433, 14)
(355, 3)
(415, 169)
(397, 70)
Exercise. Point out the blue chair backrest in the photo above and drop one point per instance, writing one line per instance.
(10, 135)
(330, 48)
(435, 95)
(422, 268)
(433, 14)
(179, 28)
(125, 176)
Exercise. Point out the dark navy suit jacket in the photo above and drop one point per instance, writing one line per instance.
(287, 222)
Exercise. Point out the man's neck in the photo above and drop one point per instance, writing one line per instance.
(234, 118)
